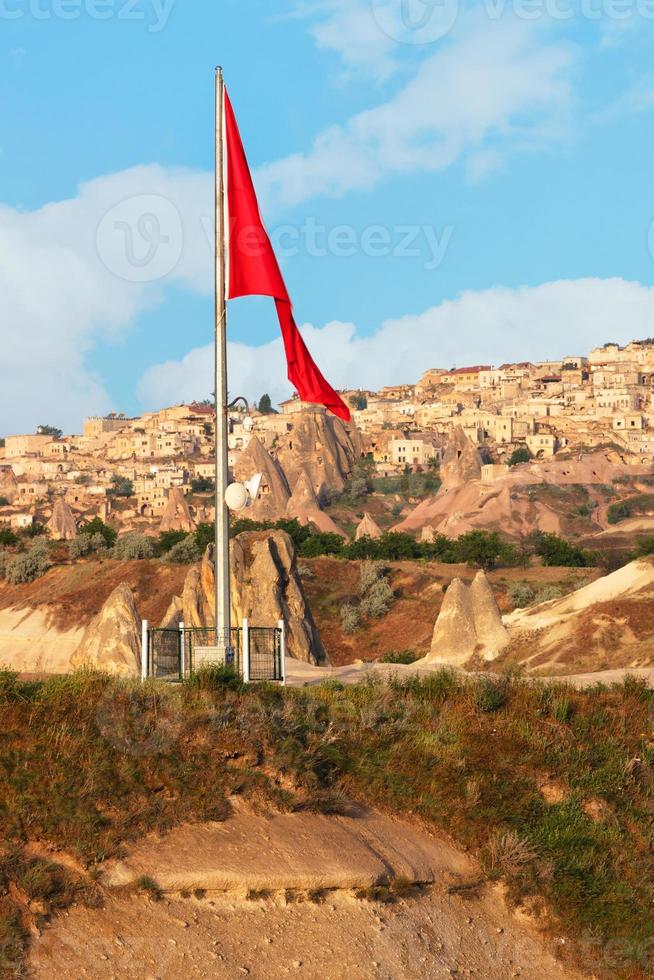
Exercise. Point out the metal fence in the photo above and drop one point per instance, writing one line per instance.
(255, 652)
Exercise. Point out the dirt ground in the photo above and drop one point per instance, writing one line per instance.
(419, 590)
(72, 594)
(451, 926)
(435, 935)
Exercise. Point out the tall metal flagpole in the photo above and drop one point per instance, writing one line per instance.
(221, 541)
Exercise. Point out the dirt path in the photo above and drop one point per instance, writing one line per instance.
(444, 928)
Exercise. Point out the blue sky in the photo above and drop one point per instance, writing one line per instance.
(503, 151)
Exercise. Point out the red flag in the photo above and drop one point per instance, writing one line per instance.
(253, 270)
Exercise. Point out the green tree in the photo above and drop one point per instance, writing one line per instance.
(7, 537)
(554, 550)
(265, 405)
(202, 484)
(204, 536)
(321, 543)
(168, 540)
(519, 455)
(97, 526)
(485, 549)
(121, 486)
(49, 430)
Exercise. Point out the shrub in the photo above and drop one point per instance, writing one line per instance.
(557, 551)
(489, 694)
(97, 526)
(86, 544)
(29, 565)
(371, 572)
(375, 590)
(121, 486)
(359, 488)
(506, 854)
(5, 558)
(349, 618)
(519, 455)
(617, 512)
(400, 657)
(167, 539)
(376, 601)
(645, 546)
(521, 595)
(485, 549)
(547, 593)
(134, 546)
(202, 484)
(7, 537)
(183, 553)
(321, 543)
(34, 530)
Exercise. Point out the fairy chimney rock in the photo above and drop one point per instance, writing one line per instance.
(469, 623)
(177, 514)
(492, 635)
(62, 525)
(305, 507)
(112, 640)
(455, 637)
(274, 492)
(265, 588)
(368, 528)
(461, 461)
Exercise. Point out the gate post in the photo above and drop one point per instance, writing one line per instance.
(145, 649)
(282, 650)
(246, 651)
(182, 651)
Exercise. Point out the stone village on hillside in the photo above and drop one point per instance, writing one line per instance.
(149, 473)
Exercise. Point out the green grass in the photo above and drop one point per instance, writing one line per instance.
(88, 763)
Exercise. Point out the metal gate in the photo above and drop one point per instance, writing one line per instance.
(201, 649)
(164, 660)
(255, 652)
(265, 654)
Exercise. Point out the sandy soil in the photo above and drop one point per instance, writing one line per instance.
(418, 587)
(444, 929)
(608, 624)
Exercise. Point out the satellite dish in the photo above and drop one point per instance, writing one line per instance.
(248, 423)
(238, 496)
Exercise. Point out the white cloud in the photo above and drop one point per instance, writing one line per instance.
(490, 326)
(59, 297)
(349, 29)
(492, 84)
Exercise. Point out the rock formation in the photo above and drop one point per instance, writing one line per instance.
(265, 588)
(322, 446)
(274, 493)
(174, 615)
(112, 640)
(427, 533)
(491, 632)
(469, 623)
(62, 525)
(305, 507)
(177, 516)
(8, 483)
(368, 528)
(455, 637)
(461, 461)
